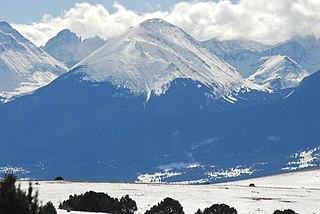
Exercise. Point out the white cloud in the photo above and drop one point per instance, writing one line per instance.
(269, 21)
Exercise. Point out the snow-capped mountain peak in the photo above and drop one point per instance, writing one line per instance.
(278, 72)
(148, 57)
(24, 67)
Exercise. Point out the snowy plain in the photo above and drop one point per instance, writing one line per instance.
(299, 191)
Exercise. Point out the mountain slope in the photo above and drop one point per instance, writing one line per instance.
(278, 73)
(100, 132)
(151, 55)
(68, 48)
(23, 66)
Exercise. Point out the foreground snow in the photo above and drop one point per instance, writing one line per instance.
(299, 191)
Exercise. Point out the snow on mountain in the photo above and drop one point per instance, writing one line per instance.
(68, 48)
(242, 54)
(311, 45)
(23, 67)
(87, 124)
(304, 50)
(245, 55)
(291, 49)
(278, 72)
(227, 46)
(148, 57)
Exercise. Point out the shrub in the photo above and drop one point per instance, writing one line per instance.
(99, 202)
(15, 201)
(128, 205)
(288, 211)
(59, 178)
(198, 211)
(168, 205)
(218, 209)
(49, 208)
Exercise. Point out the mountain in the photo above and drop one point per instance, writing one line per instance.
(242, 54)
(311, 45)
(115, 117)
(68, 48)
(278, 73)
(291, 49)
(245, 55)
(23, 67)
(148, 57)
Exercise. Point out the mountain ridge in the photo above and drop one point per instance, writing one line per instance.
(149, 56)
(245, 55)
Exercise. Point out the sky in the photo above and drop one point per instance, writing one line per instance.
(32, 10)
(269, 22)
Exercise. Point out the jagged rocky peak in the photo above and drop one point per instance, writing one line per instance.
(67, 36)
(69, 48)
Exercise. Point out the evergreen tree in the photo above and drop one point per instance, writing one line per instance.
(49, 208)
(198, 211)
(128, 205)
(15, 201)
(59, 178)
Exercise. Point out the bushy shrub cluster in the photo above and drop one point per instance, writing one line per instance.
(49, 208)
(59, 178)
(15, 201)
(171, 206)
(288, 211)
(166, 206)
(218, 209)
(99, 202)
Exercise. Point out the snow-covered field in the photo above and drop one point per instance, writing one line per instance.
(299, 191)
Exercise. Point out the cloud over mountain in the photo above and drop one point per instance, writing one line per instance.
(269, 21)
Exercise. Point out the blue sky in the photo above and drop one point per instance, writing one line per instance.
(27, 11)
(269, 22)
